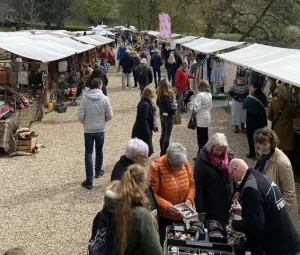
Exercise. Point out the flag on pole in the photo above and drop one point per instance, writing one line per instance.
(165, 25)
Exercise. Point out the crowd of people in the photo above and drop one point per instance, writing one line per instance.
(266, 194)
(140, 201)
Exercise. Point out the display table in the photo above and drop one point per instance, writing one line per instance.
(22, 118)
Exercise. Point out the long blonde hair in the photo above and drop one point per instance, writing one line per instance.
(130, 195)
(171, 59)
(164, 89)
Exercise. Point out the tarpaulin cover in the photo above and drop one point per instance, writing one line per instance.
(206, 45)
(279, 63)
(102, 38)
(43, 48)
(89, 40)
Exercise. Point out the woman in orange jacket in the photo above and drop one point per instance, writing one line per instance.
(172, 183)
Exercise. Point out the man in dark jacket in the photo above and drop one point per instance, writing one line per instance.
(156, 63)
(127, 63)
(265, 220)
(144, 74)
(98, 72)
(136, 153)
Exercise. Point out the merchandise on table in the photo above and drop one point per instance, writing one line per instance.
(186, 211)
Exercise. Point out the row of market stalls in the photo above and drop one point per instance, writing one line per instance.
(37, 69)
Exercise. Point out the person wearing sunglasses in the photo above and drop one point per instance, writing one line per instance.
(277, 167)
(265, 219)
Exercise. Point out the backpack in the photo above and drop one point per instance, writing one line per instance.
(142, 75)
(101, 242)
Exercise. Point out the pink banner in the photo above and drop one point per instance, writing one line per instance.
(165, 25)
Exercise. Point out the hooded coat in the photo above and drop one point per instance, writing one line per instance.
(95, 109)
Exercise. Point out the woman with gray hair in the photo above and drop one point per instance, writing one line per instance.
(136, 152)
(172, 183)
(214, 187)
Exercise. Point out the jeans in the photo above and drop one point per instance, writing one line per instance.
(166, 131)
(126, 78)
(89, 139)
(105, 64)
(158, 73)
(202, 137)
(181, 95)
(171, 76)
(254, 122)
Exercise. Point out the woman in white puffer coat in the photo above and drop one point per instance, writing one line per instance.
(202, 106)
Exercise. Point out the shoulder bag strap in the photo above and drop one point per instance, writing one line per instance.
(279, 114)
(257, 100)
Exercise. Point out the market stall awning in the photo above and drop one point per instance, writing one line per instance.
(43, 48)
(206, 45)
(10, 34)
(185, 39)
(197, 42)
(102, 38)
(279, 63)
(89, 40)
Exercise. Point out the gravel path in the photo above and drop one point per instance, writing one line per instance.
(42, 205)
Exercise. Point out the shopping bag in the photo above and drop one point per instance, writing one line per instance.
(193, 122)
(177, 118)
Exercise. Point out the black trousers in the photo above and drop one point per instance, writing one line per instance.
(254, 121)
(135, 77)
(166, 131)
(202, 137)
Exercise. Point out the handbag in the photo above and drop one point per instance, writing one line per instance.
(177, 118)
(193, 121)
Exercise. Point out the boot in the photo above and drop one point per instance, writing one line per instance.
(236, 129)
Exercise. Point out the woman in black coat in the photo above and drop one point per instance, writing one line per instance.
(214, 187)
(144, 124)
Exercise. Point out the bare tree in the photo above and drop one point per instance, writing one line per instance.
(31, 8)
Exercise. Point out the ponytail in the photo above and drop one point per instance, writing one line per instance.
(130, 196)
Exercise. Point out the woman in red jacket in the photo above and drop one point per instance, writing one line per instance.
(181, 83)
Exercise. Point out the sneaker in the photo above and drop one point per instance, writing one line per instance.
(100, 174)
(87, 185)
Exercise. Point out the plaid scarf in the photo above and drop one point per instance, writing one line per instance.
(221, 163)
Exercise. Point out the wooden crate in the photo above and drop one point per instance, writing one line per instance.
(26, 145)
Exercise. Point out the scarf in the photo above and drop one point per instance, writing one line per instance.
(221, 163)
(262, 162)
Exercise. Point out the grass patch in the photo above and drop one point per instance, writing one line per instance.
(7, 29)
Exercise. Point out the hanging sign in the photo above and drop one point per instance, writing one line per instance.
(165, 25)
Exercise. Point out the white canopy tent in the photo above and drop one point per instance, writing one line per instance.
(279, 63)
(43, 48)
(196, 42)
(89, 40)
(206, 45)
(99, 28)
(102, 38)
(10, 34)
(182, 40)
